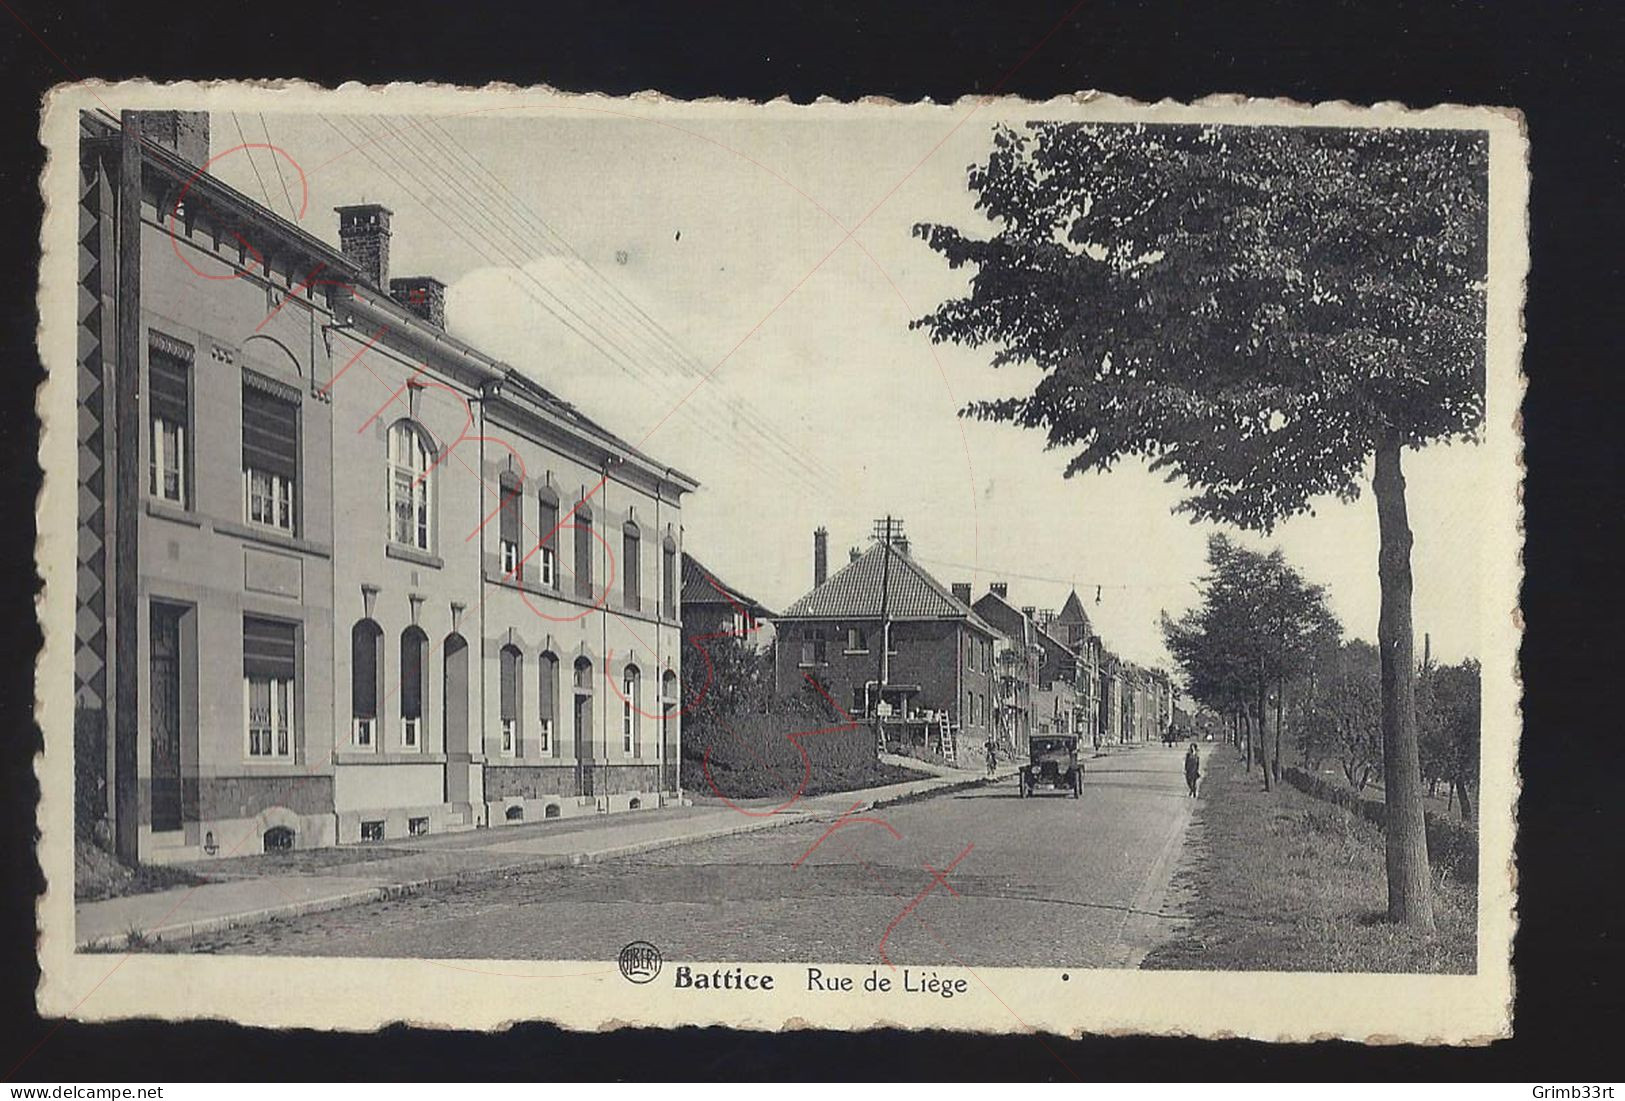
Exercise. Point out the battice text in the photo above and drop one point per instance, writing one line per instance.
(737, 979)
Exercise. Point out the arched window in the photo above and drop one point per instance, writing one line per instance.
(414, 678)
(668, 577)
(632, 565)
(366, 675)
(583, 525)
(410, 500)
(583, 675)
(629, 711)
(549, 706)
(513, 505)
(547, 520)
(511, 661)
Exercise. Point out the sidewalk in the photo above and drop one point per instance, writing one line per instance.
(242, 892)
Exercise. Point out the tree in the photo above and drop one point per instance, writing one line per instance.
(1254, 628)
(1259, 312)
(1449, 713)
(1348, 712)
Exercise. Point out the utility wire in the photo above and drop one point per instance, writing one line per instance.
(665, 342)
(276, 162)
(573, 322)
(249, 153)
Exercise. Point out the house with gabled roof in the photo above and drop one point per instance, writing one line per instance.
(712, 608)
(937, 672)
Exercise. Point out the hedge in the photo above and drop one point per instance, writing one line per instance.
(1451, 845)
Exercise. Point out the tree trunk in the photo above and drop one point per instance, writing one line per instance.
(1410, 900)
(1263, 733)
(1466, 801)
(1280, 704)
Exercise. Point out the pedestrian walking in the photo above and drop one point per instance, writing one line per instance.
(1193, 769)
(992, 759)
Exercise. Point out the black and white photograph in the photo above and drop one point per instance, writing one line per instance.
(988, 566)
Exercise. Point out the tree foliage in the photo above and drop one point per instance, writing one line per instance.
(1248, 308)
(1449, 713)
(1256, 625)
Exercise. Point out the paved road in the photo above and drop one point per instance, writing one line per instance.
(1049, 881)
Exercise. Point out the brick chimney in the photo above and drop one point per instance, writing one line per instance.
(853, 554)
(364, 240)
(901, 543)
(999, 589)
(1031, 612)
(820, 556)
(186, 132)
(962, 591)
(424, 295)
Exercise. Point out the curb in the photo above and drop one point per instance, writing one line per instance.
(185, 930)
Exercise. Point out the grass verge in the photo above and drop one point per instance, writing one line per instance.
(97, 874)
(1284, 882)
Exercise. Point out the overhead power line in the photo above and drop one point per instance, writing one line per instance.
(632, 320)
(554, 305)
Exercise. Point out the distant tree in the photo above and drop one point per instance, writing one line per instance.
(1258, 311)
(1254, 629)
(1450, 710)
(1348, 711)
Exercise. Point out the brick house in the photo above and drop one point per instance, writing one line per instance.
(1016, 660)
(939, 666)
(338, 608)
(713, 608)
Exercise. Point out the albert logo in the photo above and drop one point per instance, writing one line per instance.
(640, 962)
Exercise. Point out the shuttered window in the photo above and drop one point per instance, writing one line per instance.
(668, 578)
(270, 452)
(632, 565)
(512, 505)
(546, 521)
(169, 402)
(414, 671)
(366, 640)
(509, 661)
(548, 701)
(269, 658)
(583, 524)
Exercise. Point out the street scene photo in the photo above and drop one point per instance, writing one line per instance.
(590, 533)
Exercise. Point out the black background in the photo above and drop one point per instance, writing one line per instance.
(1552, 61)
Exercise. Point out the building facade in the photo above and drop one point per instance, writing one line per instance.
(341, 576)
(938, 673)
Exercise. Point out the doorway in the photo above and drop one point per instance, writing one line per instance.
(454, 720)
(165, 759)
(583, 727)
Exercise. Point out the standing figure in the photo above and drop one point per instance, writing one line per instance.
(1193, 769)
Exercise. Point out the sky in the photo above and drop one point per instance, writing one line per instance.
(698, 288)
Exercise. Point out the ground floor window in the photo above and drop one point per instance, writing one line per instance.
(372, 831)
(268, 688)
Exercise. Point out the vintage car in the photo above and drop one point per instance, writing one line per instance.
(1053, 763)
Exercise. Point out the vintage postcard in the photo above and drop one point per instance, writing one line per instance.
(1003, 566)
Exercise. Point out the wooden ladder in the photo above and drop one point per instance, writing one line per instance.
(950, 747)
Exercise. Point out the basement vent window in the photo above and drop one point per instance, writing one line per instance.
(417, 827)
(278, 839)
(372, 831)
(515, 814)
(552, 811)
(636, 804)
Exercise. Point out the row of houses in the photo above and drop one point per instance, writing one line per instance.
(340, 575)
(943, 671)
